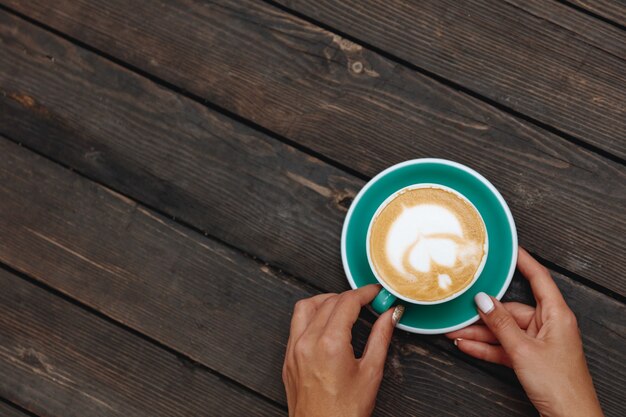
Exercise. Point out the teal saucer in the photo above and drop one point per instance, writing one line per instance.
(501, 259)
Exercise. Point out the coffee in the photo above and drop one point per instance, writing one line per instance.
(427, 243)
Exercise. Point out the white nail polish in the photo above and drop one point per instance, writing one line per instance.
(456, 341)
(484, 303)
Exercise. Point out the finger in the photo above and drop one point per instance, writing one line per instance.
(378, 342)
(303, 313)
(318, 323)
(541, 282)
(522, 313)
(484, 351)
(477, 332)
(348, 307)
(500, 321)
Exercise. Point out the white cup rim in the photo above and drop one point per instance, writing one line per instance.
(382, 281)
(507, 211)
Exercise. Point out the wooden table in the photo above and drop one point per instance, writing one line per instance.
(174, 175)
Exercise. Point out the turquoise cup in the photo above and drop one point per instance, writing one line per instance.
(454, 312)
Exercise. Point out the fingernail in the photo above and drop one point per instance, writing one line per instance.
(456, 341)
(397, 314)
(484, 303)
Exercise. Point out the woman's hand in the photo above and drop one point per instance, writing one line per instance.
(321, 375)
(541, 344)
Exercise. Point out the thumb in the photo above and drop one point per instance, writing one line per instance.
(500, 321)
(380, 337)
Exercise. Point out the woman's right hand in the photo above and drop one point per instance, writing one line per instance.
(541, 344)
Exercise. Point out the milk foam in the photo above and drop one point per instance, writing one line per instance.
(444, 281)
(427, 243)
(419, 226)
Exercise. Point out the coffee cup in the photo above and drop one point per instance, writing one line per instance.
(440, 235)
(499, 266)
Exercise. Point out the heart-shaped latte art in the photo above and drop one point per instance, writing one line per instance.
(426, 236)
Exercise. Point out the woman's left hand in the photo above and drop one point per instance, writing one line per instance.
(322, 376)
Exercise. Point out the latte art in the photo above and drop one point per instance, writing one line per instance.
(427, 243)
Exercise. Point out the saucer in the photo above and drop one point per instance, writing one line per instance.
(501, 258)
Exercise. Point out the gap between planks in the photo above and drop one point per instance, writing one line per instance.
(212, 106)
(17, 408)
(306, 284)
(451, 84)
(291, 279)
(442, 80)
(592, 14)
(241, 120)
(191, 226)
(187, 94)
(185, 359)
(525, 192)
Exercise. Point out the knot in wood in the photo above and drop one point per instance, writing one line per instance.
(357, 67)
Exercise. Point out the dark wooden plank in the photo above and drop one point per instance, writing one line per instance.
(495, 49)
(567, 202)
(57, 359)
(7, 411)
(277, 160)
(295, 160)
(613, 10)
(184, 159)
(228, 311)
(23, 98)
(224, 310)
(599, 34)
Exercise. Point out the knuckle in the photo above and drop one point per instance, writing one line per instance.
(347, 294)
(563, 314)
(329, 344)
(301, 305)
(347, 297)
(303, 349)
(569, 319)
(349, 301)
(374, 372)
(555, 312)
(331, 300)
(383, 336)
(284, 373)
(339, 299)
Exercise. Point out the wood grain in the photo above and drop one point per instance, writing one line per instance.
(215, 305)
(398, 368)
(188, 161)
(230, 312)
(613, 10)
(57, 359)
(228, 180)
(546, 71)
(586, 28)
(7, 411)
